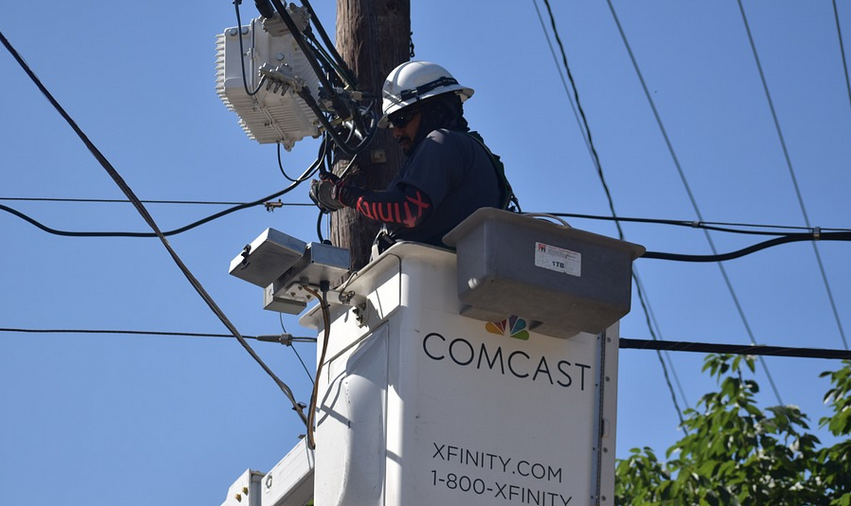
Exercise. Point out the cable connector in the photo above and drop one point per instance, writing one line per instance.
(271, 206)
(285, 339)
(817, 233)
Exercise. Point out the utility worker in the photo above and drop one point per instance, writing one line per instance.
(448, 172)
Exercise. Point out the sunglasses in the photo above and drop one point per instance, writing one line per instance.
(402, 118)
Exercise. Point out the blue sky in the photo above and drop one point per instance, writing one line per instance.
(99, 419)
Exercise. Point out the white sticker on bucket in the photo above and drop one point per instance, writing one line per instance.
(558, 259)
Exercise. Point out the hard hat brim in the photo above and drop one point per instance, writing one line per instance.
(392, 105)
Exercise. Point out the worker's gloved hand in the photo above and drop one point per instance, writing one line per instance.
(325, 193)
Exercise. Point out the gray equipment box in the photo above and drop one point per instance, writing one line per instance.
(320, 262)
(267, 257)
(561, 280)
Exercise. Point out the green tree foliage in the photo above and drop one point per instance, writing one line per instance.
(735, 453)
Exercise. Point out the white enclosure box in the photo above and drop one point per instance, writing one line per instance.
(421, 406)
(275, 113)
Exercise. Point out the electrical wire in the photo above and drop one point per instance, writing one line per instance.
(625, 343)
(329, 78)
(306, 175)
(319, 226)
(302, 363)
(284, 338)
(314, 397)
(842, 52)
(709, 225)
(125, 201)
(655, 332)
(119, 181)
(691, 197)
(570, 97)
(734, 349)
(716, 257)
(312, 58)
(250, 93)
(346, 73)
(586, 131)
(308, 99)
(281, 166)
(284, 329)
(815, 235)
(792, 174)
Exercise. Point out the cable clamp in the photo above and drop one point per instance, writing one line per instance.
(817, 233)
(271, 206)
(245, 252)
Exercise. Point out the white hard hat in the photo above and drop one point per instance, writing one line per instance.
(413, 81)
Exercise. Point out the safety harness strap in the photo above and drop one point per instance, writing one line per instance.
(508, 200)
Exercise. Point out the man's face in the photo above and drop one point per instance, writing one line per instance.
(405, 128)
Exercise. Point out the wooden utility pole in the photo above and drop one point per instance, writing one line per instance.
(373, 37)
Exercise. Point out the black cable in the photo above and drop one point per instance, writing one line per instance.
(645, 303)
(314, 58)
(834, 236)
(141, 234)
(648, 316)
(656, 255)
(794, 178)
(734, 349)
(317, 164)
(842, 52)
(687, 187)
(330, 130)
(581, 110)
(708, 225)
(319, 226)
(125, 201)
(119, 181)
(625, 343)
(346, 72)
(339, 66)
(310, 54)
(281, 166)
(306, 175)
(283, 338)
(242, 54)
(303, 364)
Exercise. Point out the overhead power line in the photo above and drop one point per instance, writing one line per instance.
(119, 181)
(125, 201)
(584, 127)
(842, 52)
(284, 338)
(734, 349)
(169, 233)
(814, 235)
(691, 197)
(792, 173)
(740, 228)
(722, 257)
(625, 343)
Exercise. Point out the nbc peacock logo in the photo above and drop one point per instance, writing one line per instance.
(513, 326)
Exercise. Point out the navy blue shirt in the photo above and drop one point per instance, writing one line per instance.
(457, 175)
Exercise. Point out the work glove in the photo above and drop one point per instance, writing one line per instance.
(325, 193)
